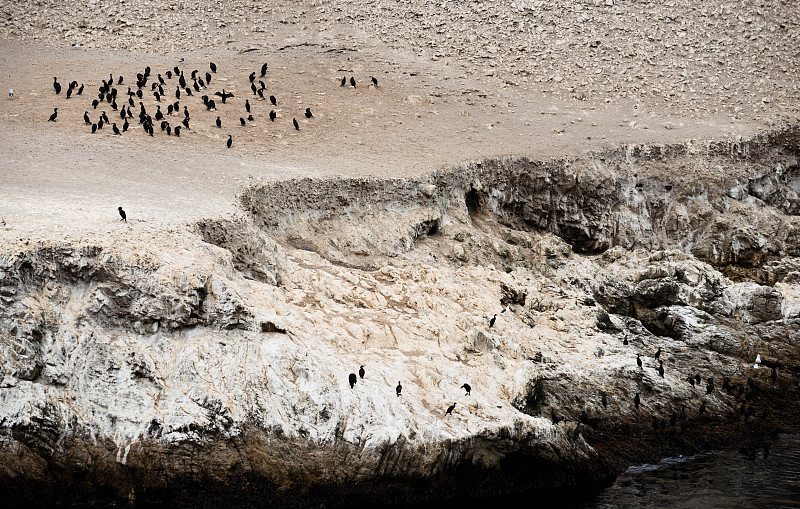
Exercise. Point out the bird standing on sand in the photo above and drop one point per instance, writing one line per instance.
(273, 100)
(219, 122)
(230, 141)
(450, 410)
(54, 115)
(374, 81)
(86, 118)
(122, 214)
(295, 124)
(213, 67)
(272, 116)
(115, 129)
(344, 81)
(10, 93)
(308, 113)
(56, 85)
(247, 105)
(361, 372)
(399, 388)
(264, 70)
(352, 82)
(353, 380)
(491, 322)
(467, 388)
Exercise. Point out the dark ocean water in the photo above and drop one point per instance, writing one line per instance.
(736, 478)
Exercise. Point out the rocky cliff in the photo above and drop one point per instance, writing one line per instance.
(213, 361)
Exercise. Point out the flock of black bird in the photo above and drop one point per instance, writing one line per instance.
(353, 379)
(108, 93)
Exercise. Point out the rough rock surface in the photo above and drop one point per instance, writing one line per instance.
(219, 357)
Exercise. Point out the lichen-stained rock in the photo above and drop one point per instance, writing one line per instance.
(220, 357)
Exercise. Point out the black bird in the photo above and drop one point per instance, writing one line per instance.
(194, 73)
(661, 368)
(230, 141)
(710, 386)
(774, 375)
(139, 93)
(658, 353)
(683, 413)
(86, 117)
(159, 115)
(115, 129)
(450, 410)
(467, 388)
(94, 128)
(161, 80)
(726, 385)
(185, 123)
(361, 372)
(157, 96)
(224, 95)
(177, 92)
(211, 105)
(603, 399)
(702, 408)
(742, 407)
(253, 88)
(577, 431)
(698, 379)
(638, 360)
(691, 380)
(264, 70)
(54, 115)
(272, 115)
(169, 75)
(69, 92)
(261, 93)
(208, 78)
(242, 121)
(195, 86)
(125, 126)
(655, 423)
(178, 131)
(119, 81)
(80, 90)
(637, 400)
(122, 114)
(625, 341)
(122, 214)
(169, 130)
(273, 100)
(344, 81)
(352, 82)
(554, 417)
(200, 81)
(182, 81)
(252, 76)
(374, 81)
(176, 71)
(170, 109)
(399, 388)
(353, 380)
(493, 319)
(188, 91)
(56, 85)
(249, 118)
(219, 123)
(100, 123)
(105, 117)
(247, 105)
(95, 103)
(308, 113)
(296, 125)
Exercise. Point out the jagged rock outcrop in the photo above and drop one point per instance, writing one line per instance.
(221, 359)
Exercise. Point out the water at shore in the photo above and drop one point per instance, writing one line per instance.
(748, 476)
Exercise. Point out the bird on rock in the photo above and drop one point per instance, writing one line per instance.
(353, 380)
(122, 215)
(467, 388)
(710, 386)
(661, 368)
(658, 353)
(399, 388)
(491, 322)
(702, 408)
(638, 360)
(361, 372)
(450, 410)
(603, 399)
(637, 400)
